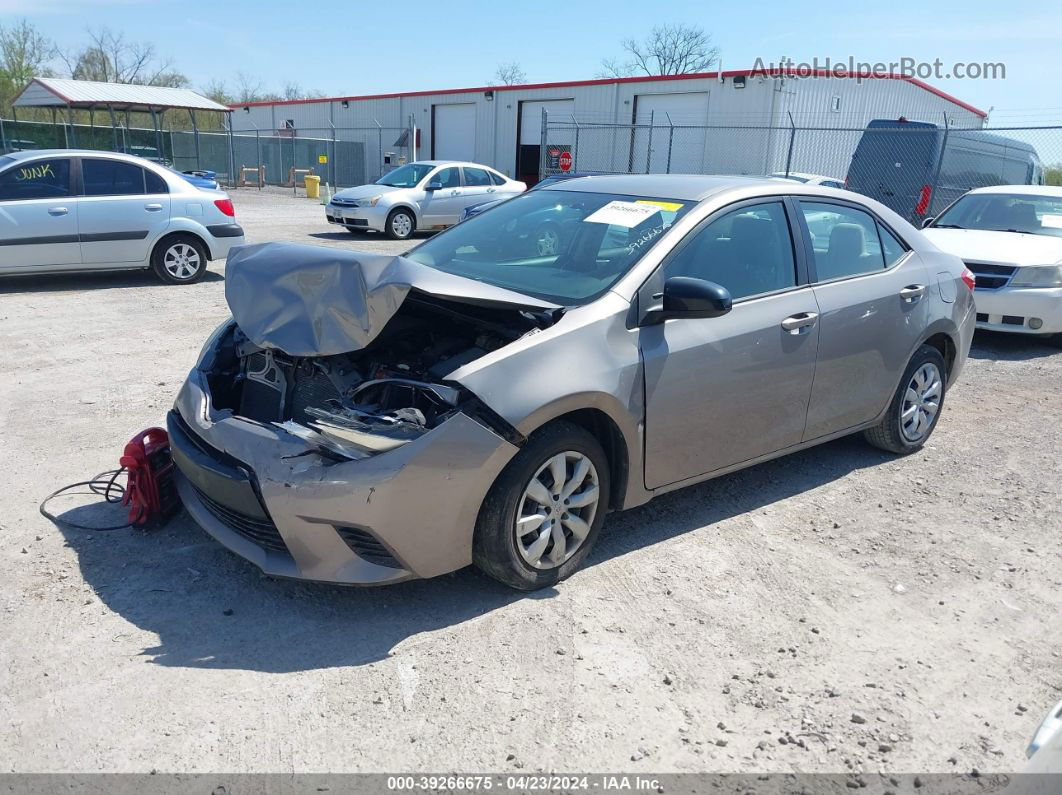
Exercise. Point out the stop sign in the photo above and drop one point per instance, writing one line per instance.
(565, 161)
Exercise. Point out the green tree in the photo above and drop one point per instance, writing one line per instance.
(25, 53)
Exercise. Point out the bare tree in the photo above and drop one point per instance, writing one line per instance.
(111, 58)
(508, 74)
(667, 50)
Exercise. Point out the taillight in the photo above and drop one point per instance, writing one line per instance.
(968, 278)
(225, 205)
(923, 200)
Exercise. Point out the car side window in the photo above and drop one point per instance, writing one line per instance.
(111, 178)
(153, 183)
(749, 251)
(476, 177)
(449, 177)
(38, 179)
(891, 246)
(496, 178)
(845, 240)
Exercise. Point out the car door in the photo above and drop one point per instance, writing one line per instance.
(502, 187)
(873, 304)
(119, 219)
(478, 187)
(443, 206)
(729, 389)
(38, 214)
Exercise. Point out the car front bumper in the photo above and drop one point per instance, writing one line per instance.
(373, 218)
(1011, 308)
(271, 497)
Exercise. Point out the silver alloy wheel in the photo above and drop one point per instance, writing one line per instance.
(401, 224)
(181, 261)
(548, 242)
(557, 509)
(921, 402)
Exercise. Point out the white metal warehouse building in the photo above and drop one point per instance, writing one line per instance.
(739, 118)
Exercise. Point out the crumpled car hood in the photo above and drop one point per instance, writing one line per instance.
(316, 301)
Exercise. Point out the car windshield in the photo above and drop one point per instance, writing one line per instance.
(566, 247)
(407, 176)
(1005, 212)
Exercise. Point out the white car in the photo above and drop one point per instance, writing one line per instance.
(426, 194)
(67, 210)
(809, 179)
(1010, 236)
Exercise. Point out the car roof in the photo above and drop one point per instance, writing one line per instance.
(1032, 190)
(692, 187)
(32, 153)
(450, 163)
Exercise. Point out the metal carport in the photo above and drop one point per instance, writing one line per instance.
(56, 93)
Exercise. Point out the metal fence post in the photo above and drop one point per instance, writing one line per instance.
(294, 165)
(258, 157)
(379, 146)
(195, 131)
(649, 143)
(3, 136)
(232, 151)
(792, 139)
(575, 146)
(936, 172)
(335, 150)
(670, 141)
(542, 146)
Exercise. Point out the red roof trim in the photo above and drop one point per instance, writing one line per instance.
(619, 80)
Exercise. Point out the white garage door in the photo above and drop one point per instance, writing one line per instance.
(557, 110)
(454, 132)
(680, 152)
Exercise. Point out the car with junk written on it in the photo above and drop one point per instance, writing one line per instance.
(427, 195)
(368, 419)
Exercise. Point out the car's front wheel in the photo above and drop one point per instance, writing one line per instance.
(544, 512)
(400, 224)
(915, 408)
(180, 259)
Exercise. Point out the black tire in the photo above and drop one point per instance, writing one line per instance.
(1057, 340)
(405, 231)
(170, 246)
(889, 434)
(494, 546)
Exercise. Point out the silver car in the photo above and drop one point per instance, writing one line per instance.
(80, 210)
(370, 419)
(425, 195)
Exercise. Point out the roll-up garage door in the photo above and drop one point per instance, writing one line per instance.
(678, 151)
(453, 134)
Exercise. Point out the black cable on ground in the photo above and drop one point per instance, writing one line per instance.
(104, 484)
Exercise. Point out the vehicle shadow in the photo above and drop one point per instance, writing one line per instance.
(999, 345)
(104, 280)
(211, 609)
(376, 237)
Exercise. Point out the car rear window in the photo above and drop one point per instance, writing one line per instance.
(111, 178)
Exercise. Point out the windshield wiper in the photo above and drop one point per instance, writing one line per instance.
(1016, 231)
(946, 226)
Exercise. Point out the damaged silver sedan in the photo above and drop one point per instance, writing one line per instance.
(368, 419)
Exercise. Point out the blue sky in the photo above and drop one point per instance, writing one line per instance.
(365, 47)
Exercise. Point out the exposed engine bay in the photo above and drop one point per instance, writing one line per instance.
(376, 398)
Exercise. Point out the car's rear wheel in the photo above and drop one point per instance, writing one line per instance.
(400, 224)
(179, 259)
(915, 408)
(542, 515)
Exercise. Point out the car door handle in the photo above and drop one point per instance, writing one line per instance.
(800, 324)
(57, 211)
(912, 292)
(491, 190)
(153, 208)
(455, 192)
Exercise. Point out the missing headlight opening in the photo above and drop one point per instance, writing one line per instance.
(374, 399)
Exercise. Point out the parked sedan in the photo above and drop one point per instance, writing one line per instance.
(429, 194)
(552, 179)
(80, 210)
(1011, 237)
(367, 419)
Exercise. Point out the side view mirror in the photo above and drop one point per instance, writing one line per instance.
(927, 221)
(434, 185)
(686, 297)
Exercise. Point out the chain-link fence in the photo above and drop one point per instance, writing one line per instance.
(916, 168)
(342, 157)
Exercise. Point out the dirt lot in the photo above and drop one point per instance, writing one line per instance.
(837, 609)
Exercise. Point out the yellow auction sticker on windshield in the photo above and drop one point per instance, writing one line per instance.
(667, 207)
(621, 213)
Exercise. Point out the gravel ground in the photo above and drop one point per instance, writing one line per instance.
(834, 610)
